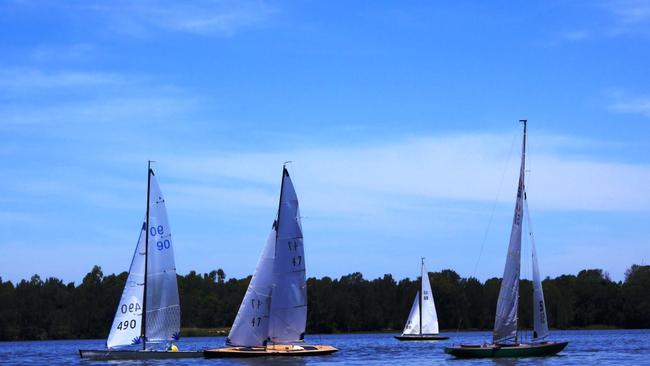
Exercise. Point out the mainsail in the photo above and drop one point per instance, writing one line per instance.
(127, 324)
(429, 317)
(505, 322)
(540, 325)
(413, 323)
(274, 308)
(163, 308)
(160, 304)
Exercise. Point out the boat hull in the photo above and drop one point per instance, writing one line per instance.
(499, 351)
(423, 337)
(271, 351)
(136, 355)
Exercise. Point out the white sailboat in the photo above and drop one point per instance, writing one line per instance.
(505, 339)
(422, 323)
(148, 313)
(273, 314)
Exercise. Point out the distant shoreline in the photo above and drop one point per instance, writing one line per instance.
(217, 332)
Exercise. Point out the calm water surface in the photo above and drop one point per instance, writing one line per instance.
(622, 347)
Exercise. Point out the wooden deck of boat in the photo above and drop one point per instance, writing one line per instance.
(499, 351)
(102, 355)
(424, 337)
(274, 350)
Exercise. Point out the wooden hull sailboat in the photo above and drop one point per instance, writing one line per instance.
(149, 310)
(506, 350)
(422, 323)
(274, 350)
(273, 314)
(505, 336)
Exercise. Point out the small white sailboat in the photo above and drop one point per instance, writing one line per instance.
(273, 314)
(148, 312)
(505, 339)
(422, 323)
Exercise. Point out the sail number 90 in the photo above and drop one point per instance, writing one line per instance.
(153, 231)
(163, 244)
(125, 325)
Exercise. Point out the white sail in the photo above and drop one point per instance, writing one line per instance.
(413, 322)
(163, 308)
(429, 316)
(127, 324)
(540, 324)
(505, 322)
(251, 326)
(289, 300)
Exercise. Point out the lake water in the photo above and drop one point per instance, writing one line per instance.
(621, 347)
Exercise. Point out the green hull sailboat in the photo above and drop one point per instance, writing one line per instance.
(496, 351)
(505, 340)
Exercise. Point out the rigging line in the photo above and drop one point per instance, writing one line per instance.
(494, 205)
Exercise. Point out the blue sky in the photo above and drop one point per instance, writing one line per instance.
(400, 118)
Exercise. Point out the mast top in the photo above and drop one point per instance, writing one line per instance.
(149, 165)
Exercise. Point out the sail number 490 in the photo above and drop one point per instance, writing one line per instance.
(124, 308)
(127, 324)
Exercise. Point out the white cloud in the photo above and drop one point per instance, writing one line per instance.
(639, 104)
(464, 167)
(206, 17)
(15, 80)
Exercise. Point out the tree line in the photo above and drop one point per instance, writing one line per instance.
(52, 309)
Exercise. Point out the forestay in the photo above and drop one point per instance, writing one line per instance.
(413, 323)
(540, 325)
(163, 308)
(429, 316)
(505, 322)
(127, 324)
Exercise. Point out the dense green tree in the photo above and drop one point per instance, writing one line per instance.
(51, 309)
(636, 297)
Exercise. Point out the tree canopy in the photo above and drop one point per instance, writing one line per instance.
(52, 309)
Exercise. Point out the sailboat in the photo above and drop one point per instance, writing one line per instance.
(273, 314)
(422, 323)
(148, 312)
(505, 338)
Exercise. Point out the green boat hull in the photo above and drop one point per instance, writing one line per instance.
(502, 351)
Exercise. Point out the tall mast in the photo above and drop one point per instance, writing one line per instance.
(421, 293)
(146, 256)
